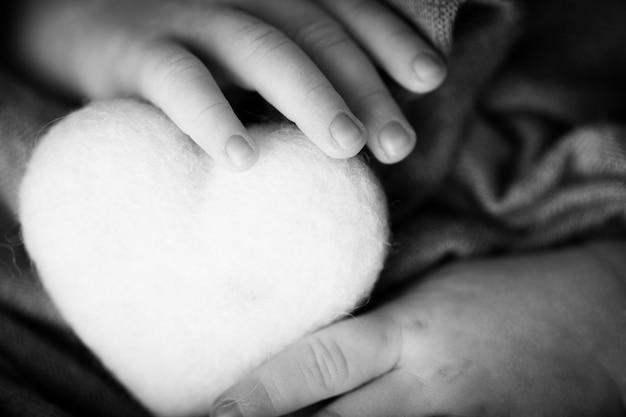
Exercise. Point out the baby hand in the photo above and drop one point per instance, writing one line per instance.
(309, 59)
(520, 336)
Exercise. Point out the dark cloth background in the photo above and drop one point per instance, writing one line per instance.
(522, 148)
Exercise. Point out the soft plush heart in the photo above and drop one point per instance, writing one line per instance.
(182, 276)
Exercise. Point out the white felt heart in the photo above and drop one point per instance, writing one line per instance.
(180, 275)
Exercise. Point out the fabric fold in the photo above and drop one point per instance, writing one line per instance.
(524, 145)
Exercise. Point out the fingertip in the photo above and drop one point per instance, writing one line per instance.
(429, 72)
(240, 153)
(348, 134)
(396, 142)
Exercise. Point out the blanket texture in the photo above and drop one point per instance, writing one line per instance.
(522, 148)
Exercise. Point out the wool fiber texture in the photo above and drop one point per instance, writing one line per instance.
(181, 276)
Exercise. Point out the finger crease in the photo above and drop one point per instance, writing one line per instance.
(361, 101)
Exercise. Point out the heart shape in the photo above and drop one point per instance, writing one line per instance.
(182, 276)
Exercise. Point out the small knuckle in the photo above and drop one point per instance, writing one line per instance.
(212, 111)
(171, 59)
(401, 34)
(258, 31)
(264, 39)
(319, 34)
(326, 367)
(176, 67)
(359, 7)
(320, 91)
(372, 98)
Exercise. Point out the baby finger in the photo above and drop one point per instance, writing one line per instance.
(178, 82)
(390, 136)
(396, 46)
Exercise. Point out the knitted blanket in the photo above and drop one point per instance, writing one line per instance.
(524, 146)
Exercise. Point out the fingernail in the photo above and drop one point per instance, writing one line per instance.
(346, 133)
(239, 151)
(428, 67)
(226, 408)
(395, 140)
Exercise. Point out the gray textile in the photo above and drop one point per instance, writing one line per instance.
(524, 146)
(435, 18)
(23, 114)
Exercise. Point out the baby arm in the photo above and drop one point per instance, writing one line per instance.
(539, 334)
(307, 58)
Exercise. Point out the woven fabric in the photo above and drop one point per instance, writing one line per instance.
(524, 146)
(435, 18)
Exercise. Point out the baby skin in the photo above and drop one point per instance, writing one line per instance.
(312, 60)
(528, 335)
